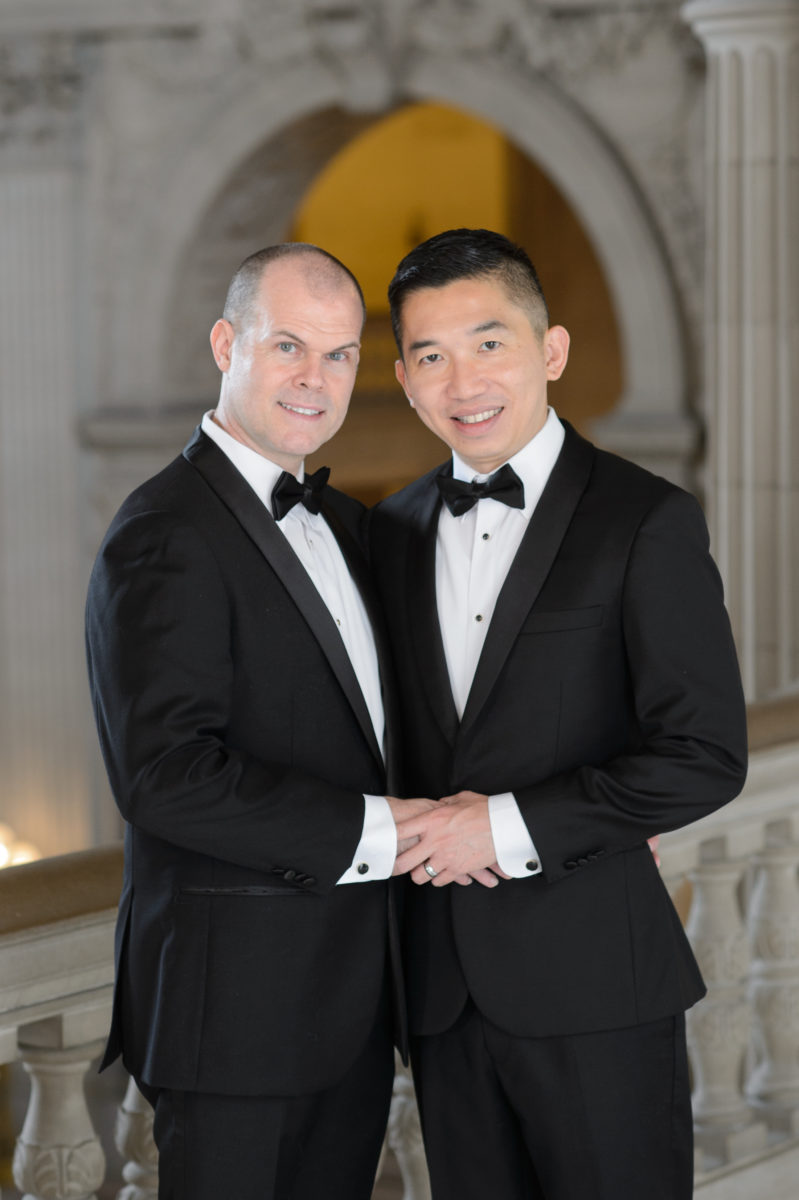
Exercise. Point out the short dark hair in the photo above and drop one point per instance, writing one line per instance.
(468, 254)
(243, 289)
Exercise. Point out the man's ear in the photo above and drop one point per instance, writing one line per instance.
(556, 351)
(399, 371)
(222, 343)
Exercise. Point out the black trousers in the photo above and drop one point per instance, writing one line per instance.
(278, 1148)
(600, 1116)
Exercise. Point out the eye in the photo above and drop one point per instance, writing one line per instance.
(431, 358)
(287, 347)
(338, 355)
(491, 344)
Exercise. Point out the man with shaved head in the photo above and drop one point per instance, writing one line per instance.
(239, 686)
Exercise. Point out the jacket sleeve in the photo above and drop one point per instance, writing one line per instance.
(688, 754)
(159, 643)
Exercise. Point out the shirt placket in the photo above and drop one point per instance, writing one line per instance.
(479, 590)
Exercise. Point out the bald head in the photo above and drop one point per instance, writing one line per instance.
(321, 272)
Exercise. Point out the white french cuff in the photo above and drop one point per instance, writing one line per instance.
(377, 849)
(516, 852)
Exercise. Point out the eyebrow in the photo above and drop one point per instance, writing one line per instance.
(483, 327)
(487, 326)
(285, 335)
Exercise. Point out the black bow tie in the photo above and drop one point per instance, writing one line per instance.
(288, 491)
(504, 485)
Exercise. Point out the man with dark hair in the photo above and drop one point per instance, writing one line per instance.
(239, 685)
(569, 688)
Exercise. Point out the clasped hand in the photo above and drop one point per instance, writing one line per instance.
(452, 835)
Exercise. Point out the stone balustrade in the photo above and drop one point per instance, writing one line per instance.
(734, 877)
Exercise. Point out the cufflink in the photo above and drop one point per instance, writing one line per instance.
(362, 868)
(532, 864)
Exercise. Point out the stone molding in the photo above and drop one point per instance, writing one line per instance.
(94, 16)
(740, 14)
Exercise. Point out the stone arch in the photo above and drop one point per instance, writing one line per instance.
(650, 423)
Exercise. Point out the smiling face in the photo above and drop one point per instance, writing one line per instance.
(475, 370)
(288, 373)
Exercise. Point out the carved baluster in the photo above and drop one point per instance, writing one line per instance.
(718, 1027)
(133, 1138)
(58, 1155)
(405, 1138)
(773, 1086)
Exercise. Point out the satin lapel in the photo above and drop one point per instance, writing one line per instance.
(423, 611)
(359, 570)
(237, 495)
(530, 567)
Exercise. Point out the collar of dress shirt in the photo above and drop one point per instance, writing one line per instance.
(261, 473)
(533, 463)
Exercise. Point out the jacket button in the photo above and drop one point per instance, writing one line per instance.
(289, 874)
(363, 868)
(532, 864)
(309, 880)
(570, 864)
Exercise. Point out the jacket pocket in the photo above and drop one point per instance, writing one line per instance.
(569, 618)
(241, 891)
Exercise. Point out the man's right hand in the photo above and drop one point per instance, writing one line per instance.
(402, 810)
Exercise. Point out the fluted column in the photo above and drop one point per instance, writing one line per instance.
(43, 696)
(58, 1155)
(752, 323)
(773, 1086)
(718, 1027)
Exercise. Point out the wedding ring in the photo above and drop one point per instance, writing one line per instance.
(431, 871)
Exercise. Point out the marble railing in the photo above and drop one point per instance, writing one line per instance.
(733, 876)
(57, 921)
(56, 974)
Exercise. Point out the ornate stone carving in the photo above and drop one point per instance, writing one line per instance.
(40, 88)
(59, 1172)
(58, 1155)
(133, 1138)
(563, 44)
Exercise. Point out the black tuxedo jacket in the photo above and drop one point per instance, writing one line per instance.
(238, 745)
(608, 700)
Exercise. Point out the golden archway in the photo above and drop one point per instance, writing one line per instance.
(424, 168)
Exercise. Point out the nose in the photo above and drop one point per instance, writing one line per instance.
(309, 374)
(465, 380)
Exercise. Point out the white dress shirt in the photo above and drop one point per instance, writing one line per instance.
(474, 553)
(312, 540)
